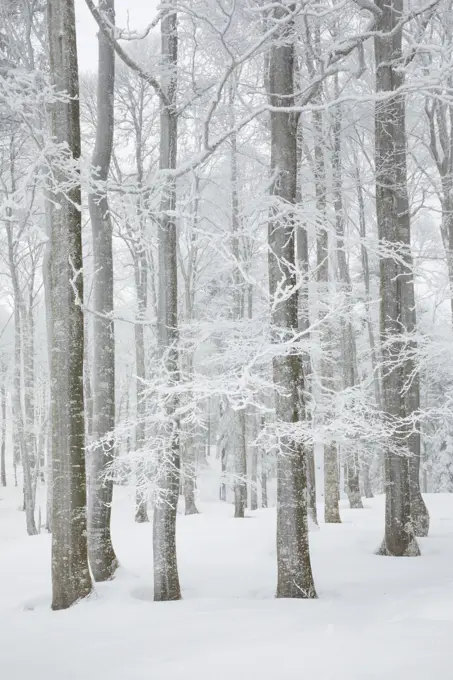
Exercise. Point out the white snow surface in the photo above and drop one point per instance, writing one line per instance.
(376, 617)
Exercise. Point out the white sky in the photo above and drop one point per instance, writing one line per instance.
(135, 13)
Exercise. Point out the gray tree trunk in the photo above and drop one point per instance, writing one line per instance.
(304, 325)
(240, 463)
(71, 579)
(331, 476)
(48, 305)
(349, 347)
(239, 417)
(141, 287)
(166, 578)
(20, 432)
(295, 577)
(397, 313)
(102, 556)
(3, 451)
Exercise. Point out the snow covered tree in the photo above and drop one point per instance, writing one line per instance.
(103, 560)
(293, 556)
(71, 578)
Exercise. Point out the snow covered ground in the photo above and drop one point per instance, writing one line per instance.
(376, 617)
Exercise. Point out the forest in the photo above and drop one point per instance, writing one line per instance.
(226, 339)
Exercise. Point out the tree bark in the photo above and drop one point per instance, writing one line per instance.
(70, 571)
(295, 577)
(349, 347)
(102, 556)
(397, 316)
(166, 578)
(240, 463)
(3, 451)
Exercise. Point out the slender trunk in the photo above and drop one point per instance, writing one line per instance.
(223, 469)
(141, 492)
(304, 326)
(3, 452)
(102, 555)
(166, 578)
(240, 465)
(21, 431)
(239, 417)
(396, 278)
(71, 579)
(294, 577)
(349, 346)
(48, 306)
(331, 476)
(254, 472)
(264, 502)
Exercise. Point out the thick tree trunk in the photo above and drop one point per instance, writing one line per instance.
(397, 293)
(103, 560)
(70, 571)
(295, 577)
(166, 578)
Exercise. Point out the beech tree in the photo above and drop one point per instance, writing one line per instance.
(397, 291)
(102, 555)
(293, 557)
(71, 578)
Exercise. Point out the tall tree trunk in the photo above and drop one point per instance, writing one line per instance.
(20, 434)
(349, 347)
(141, 286)
(304, 326)
(331, 475)
(239, 417)
(240, 463)
(48, 305)
(3, 451)
(102, 556)
(70, 571)
(166, 578)
(397, 317)
(295, 577)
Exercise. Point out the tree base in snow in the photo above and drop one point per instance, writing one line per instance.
(411, 550)
(420, 517)
(332, 516)
(191, 509)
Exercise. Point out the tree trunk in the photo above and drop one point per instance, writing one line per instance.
(239, 417)
(141, 287)
(166, 578)
(240, 464)
(396, 278)
(70, 571)
(190, 507)
(21, 435)
(102, 556)
(295, 577)
(254, 475)
(3, 451)
(348, 344)
(48, 305)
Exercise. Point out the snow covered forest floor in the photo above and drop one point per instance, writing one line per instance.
(376, 617)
